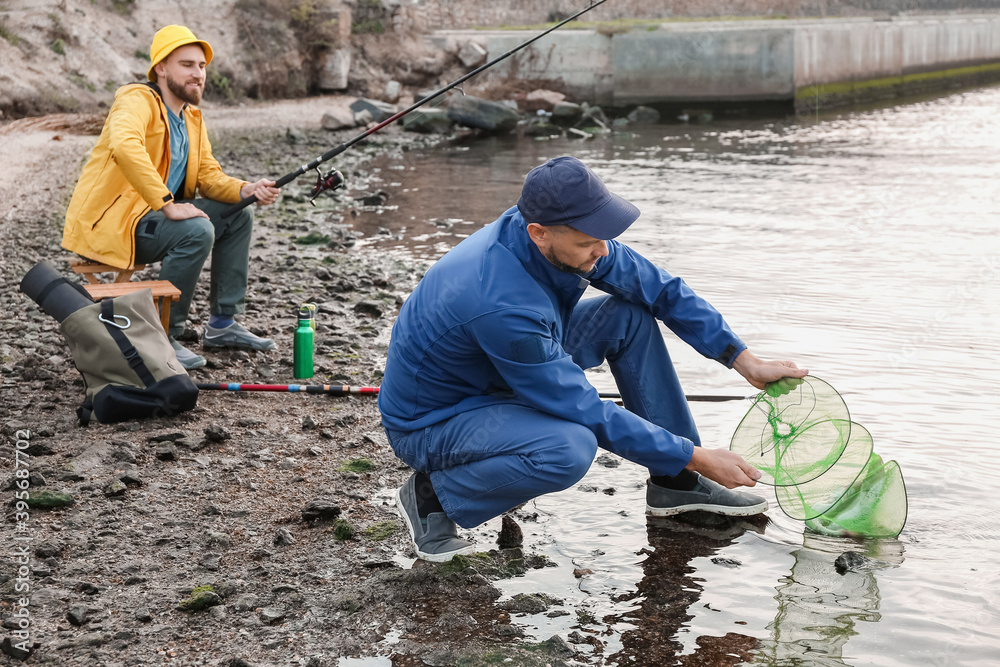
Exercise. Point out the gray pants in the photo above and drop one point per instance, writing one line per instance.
(182, 246)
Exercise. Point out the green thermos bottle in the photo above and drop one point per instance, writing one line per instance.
(305, 338)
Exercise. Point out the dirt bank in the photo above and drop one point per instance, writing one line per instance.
(215, 497)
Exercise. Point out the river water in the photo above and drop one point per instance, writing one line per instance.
(865, 247)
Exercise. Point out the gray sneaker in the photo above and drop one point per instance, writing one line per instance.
(234, 336)
(707, 496)
(436, 537)
(188, 359)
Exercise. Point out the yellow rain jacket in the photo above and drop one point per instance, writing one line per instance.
(126, 176)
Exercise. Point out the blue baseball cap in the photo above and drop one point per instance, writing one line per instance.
(563, 191)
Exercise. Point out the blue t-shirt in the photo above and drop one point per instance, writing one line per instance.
(178, 152)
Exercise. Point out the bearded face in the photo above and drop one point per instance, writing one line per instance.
(189, 91)
(183, 73)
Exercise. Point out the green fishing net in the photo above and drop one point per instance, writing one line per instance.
(799, 434)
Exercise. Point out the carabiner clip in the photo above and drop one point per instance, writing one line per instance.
(128, 322)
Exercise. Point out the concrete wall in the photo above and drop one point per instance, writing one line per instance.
(859, 51)
(840, 60)
(462, 14)
(678, 64)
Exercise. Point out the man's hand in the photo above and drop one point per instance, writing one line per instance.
(723, 466)
(263, 190)
(760, 373)
(182, 211)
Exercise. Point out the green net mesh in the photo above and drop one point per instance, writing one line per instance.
(800, 436)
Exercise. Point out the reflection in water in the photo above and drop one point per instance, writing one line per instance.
(819, 608)
(669, 589)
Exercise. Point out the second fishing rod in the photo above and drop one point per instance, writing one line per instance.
(334, 179)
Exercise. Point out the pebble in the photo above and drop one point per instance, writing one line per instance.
(210, 561)
(166, 453)
(115, 489)
(320, 509)
(77, 615)
(217, 433)
(48, 549)
(272, 615)
(131, 479)
(245, 602)
(123, 454)
(283, 537)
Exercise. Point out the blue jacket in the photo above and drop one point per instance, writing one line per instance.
(487, 322)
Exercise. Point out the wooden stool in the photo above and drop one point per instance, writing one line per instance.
(164, 292)
(90, 271)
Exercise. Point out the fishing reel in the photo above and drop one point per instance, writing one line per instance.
(333, 180)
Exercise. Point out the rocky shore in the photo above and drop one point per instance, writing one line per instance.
(258, 529)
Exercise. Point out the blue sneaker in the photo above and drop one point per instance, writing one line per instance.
(234, 336)
(434, 538)
(707, 496)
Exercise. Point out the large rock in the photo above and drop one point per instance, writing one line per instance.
(543, 100)
(482, 114)
(471, 54)
(379, 110)
(335, 66)
(566, 113)
(427, 121)
(337, 119)
(643, 115)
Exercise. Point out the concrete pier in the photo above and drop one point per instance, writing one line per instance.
(808, 63)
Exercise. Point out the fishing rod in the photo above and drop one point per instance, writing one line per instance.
(344, 390)
(329, 389)
(334, 179)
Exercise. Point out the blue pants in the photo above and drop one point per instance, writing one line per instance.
(485, 462)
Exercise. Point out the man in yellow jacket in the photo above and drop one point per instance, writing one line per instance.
(152, 192)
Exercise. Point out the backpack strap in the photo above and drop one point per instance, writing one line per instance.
(131, 354)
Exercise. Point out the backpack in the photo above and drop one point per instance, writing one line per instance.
(129, 369)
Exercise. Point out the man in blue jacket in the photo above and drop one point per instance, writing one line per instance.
(485, 396)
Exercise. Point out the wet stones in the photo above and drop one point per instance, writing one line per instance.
(15, 649)
(78, 615)
(482, 114)
(217, 433)
(530, 603)
(201, 598)
(510, 533)
(428, 121)
(283, 538)
(49, 500)
(272, 615)
(321, 509)
(166, 452)
(115, 489)
(371, 309)
(851, 561)
(643, 116)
